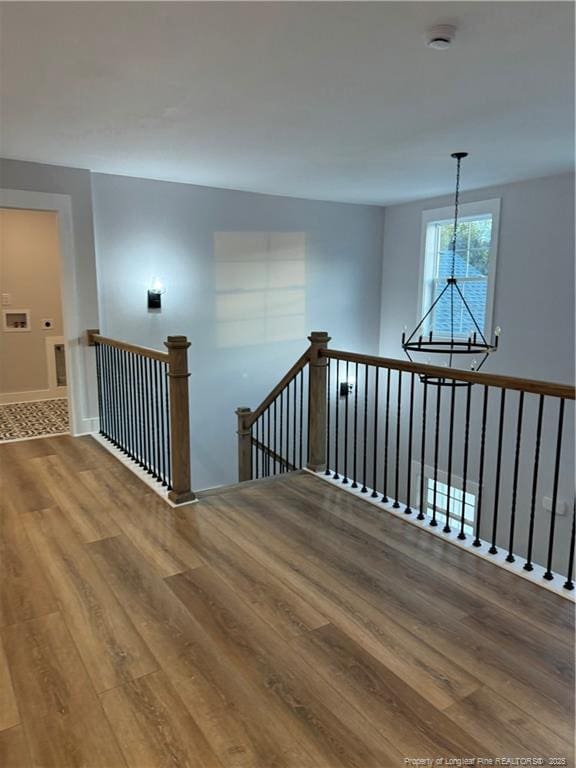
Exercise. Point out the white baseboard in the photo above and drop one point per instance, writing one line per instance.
(140, 473)
(33, 395)
(88, 426)
(535, 576)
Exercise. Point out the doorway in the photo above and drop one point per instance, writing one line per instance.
(33, 359)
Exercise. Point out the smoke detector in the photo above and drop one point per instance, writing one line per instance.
(440, 37)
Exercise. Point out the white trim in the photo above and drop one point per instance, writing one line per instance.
(73, 332)
(33, 396)
(140, 473)
(535, 576)
(10, 311)
(51, 342)
(466, 211)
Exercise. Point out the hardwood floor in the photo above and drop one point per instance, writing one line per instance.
(276, 624)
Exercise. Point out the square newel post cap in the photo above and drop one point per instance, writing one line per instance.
(177, 342)
(319, 337)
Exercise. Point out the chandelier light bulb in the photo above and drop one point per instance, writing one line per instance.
(497, 331)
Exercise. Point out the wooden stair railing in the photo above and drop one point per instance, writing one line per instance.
(143, 405)
(383, 429)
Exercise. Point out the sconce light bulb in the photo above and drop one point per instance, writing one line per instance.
(156, 285)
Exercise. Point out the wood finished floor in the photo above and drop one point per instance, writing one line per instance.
(282, 623)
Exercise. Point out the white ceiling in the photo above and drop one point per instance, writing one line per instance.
(337, 101)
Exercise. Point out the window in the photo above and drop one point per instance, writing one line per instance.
(474, 267)
(456, 502)
(458, 499)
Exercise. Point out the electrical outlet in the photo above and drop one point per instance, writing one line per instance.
(47, 323)
(6, 299)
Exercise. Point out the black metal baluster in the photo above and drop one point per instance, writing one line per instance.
(107, 395)
(295, 411)
(141, 410)
(447, 528)
(385, 498)
(345, 478)
(434, 522)
(268, 438)
(274, 455)
(461, 534)
(103, 404)
(134, 405)
(423, 499)
(129, 381)
(355, 435)
(301, 414)
(493, 549)
(477, 542)
(150, 460)
(157, 408)
(408, 509)
(117, 390)
(152, 418)
(280, 446)
(113, 396)
(374, 493)
(510, 557)
(328, 397)
(365, 434)
(288, 427)
(396, 504)
(549, 575)
(569, 583)
(118, 369)
(99, 387)
(162, 422)
(168, 426)
(337, 426)
(124, 392)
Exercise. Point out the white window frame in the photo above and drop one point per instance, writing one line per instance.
(441, 215)
(442, 477)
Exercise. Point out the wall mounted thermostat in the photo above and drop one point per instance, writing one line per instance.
(47, 323)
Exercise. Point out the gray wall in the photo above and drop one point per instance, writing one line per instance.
(534, 299)
(175, 232)
(534, 305)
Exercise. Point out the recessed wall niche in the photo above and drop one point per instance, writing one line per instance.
(16, 319)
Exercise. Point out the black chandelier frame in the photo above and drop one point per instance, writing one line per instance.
(475, 344)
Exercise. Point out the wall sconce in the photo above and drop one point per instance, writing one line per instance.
(155, 294)
(346, 388)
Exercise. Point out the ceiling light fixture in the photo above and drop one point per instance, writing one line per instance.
(476, 345)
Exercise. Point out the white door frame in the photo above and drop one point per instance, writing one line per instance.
(80, 421)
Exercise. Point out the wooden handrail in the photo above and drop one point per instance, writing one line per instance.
(286, 379)
(154, 354)
(566, 391)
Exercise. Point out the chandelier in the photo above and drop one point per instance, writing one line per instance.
(451, 343)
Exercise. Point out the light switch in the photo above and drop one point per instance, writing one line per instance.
(561, 506)
(6, 299)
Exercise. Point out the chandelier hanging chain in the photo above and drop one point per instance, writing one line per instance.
(456, 204)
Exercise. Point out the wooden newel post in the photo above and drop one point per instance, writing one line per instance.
(179, 418)
(244, 445)
(317, 402)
